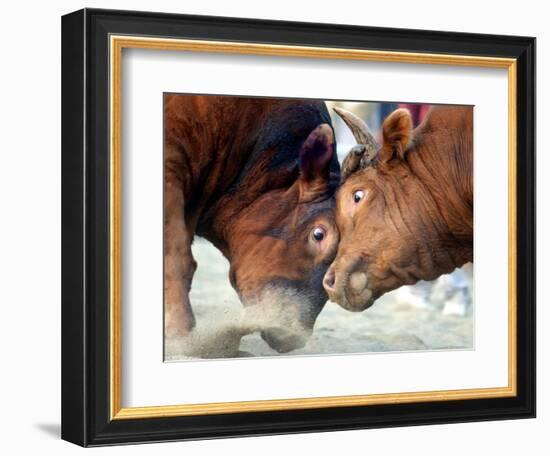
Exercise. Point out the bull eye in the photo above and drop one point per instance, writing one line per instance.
(318, 234)
(358, 195)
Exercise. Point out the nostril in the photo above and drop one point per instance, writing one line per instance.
(329, 280)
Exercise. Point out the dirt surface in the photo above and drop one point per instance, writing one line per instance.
(394, 323)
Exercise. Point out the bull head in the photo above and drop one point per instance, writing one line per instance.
(282, 244)
(376, 242)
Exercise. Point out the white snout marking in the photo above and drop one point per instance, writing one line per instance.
(358, 281)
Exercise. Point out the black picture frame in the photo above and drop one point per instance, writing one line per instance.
(85, 227)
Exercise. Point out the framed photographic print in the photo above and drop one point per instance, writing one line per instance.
(275, 227)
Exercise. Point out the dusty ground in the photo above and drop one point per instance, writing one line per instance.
(392, 324)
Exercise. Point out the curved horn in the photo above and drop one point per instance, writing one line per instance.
(359, 128)
(361, 155)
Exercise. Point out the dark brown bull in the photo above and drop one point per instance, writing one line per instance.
(256, 177)
(405, 209)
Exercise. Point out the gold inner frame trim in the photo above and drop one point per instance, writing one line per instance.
(117, 44)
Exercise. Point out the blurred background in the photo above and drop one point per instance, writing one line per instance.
(435, 315)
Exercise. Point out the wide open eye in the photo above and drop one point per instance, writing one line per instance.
(318, 233)
(358, 195)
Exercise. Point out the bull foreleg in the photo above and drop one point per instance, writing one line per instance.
(179, 265)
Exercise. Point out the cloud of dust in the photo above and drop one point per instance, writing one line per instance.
(275, 312)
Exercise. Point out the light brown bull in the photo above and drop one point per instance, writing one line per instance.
(405, 208)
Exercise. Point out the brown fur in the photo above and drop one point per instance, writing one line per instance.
(253, 176)
(416, 218)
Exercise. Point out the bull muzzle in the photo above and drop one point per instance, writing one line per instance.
(346, 283)
(284, 340)
(283, 317)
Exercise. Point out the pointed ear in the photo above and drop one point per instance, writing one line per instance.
(315, 156)
(397, 135)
